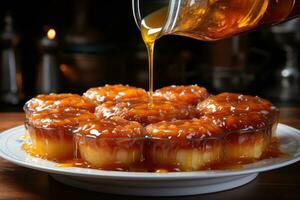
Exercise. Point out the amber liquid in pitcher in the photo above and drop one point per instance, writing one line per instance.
(215, 19)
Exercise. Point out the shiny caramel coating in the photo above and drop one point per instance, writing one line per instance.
(185, 129)
(115, 128)
(240, 122)
(191, 94)
(62, 118)
(227, 103)
(118, 93)
(57, 101)
(144, 113)
(209, 126)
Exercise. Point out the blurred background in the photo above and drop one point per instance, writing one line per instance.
(72, 45)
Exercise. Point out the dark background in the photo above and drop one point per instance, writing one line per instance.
(98, 43)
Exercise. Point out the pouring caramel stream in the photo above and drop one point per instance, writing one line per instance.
(151, 28)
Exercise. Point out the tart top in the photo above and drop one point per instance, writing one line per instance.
(185, 129)
(226, 103)
(119, 92)
(209, 126)
(191, 94)
(116, 128)
(66, 117)
(57, 101)
(144, 113)
(241, 122)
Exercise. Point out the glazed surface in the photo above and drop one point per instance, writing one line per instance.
(188, 94)
(226, 103)
(57, 101)
(115, 127)
(58, 118)
(185, 129)
(144, 113)
(119, 92)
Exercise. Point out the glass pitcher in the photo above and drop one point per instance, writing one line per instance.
(211, 19)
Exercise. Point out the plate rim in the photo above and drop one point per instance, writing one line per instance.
(117, 175)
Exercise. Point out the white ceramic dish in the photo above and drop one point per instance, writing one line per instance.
(151, 184)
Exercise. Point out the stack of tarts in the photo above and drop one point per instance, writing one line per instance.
(114, 127)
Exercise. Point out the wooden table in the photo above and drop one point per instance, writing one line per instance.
(22, 183)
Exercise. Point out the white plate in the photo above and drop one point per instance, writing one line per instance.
(151, 184)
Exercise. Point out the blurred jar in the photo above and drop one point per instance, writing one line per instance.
(10, 73)
(88, 58)
(228, 64)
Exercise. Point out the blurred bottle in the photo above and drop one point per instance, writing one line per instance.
(48, 76)
(88, 57)
(10, 74)
(287, 87)
(229, 63)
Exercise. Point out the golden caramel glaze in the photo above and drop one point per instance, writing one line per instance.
(240, 122)
(119, 92)
(227, 103)
(67, 117)
(57, 101)
(144, 113)
(114, 128)
(185, 129)
(191, 94)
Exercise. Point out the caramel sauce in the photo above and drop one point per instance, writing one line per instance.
(36, 153)
(25, 137)
(28, 149)
(139, 111)
(273, 150)
(73, 163)
(142, 166)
